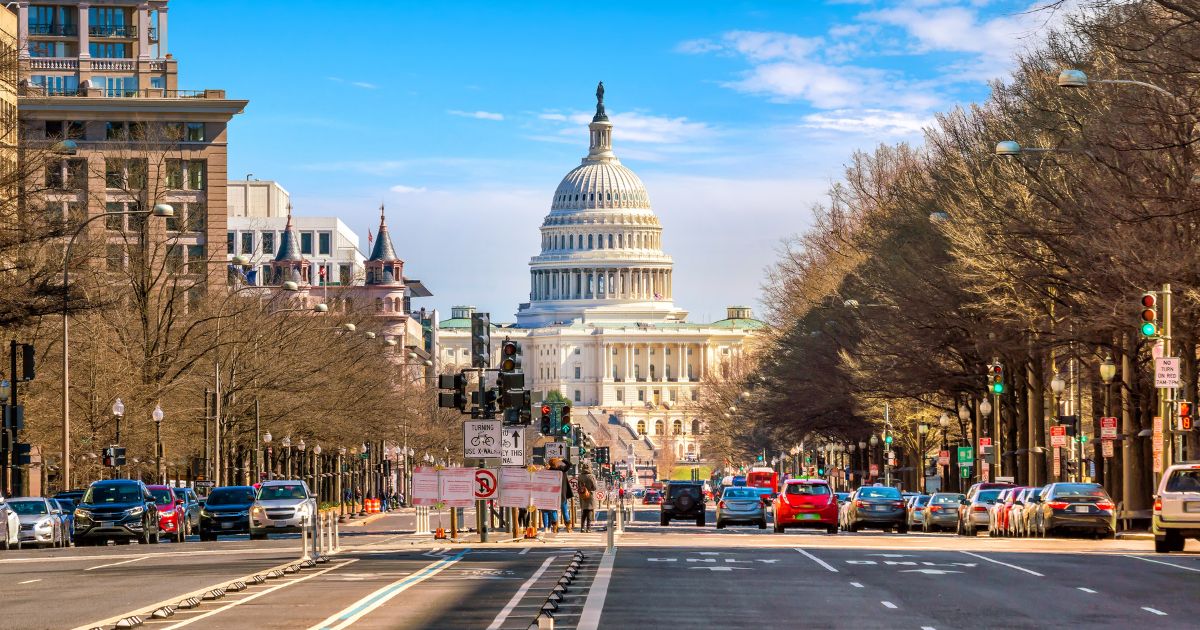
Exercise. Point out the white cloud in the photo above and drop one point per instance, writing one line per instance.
(480, 115)
(634, 127)
(401, 188)
(873, 122)
(359, 84)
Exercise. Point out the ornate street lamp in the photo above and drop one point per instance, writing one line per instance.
(157, 415)
(266, 438)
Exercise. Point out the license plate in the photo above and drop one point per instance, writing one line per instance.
(1081, 508)
(1191, 506)
(879, 508)
(807, 517)
(226, 525)
(107, 524)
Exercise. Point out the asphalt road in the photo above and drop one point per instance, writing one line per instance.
(385, 576)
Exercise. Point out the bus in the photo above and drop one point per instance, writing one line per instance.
(763, 477)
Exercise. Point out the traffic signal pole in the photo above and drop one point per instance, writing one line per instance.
(1164, 394)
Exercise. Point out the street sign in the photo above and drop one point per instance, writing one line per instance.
(1106, 448)
(964, 472)
(482, 438)
(1057, 463)
(514, 487)
(556, 449)
(485, 483)
(1058, 435)
(206, 484)
(456, 486)
(1108, 428)
(966, 458)
(1156, 444)
(874, 470)
(546, 489)
(513, 446)
(984, 469)
(424, 485)
(944, 458)
(985, 441)
(1167, 374)
(1000, 479)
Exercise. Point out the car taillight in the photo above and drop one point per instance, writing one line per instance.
(1104, 505)
(721, 504)
(935, 508)
(980, 508)
(1158, 505)
(859, 504)
(897, 504)
(1058, 505)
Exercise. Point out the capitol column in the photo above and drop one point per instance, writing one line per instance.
(681, 363)
(628, 351)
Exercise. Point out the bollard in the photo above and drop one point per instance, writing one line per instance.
(609, 526)
(337, 535)
(303, 540)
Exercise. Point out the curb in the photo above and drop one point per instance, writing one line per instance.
(366, 520)
(1135, 536)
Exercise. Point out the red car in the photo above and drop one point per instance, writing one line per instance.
(653, 497)
(998, 526)
(172, 517)
(806, 503)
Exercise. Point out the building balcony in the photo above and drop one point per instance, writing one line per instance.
(53, 63)
(114, 65)
(120, 31)
(53, 30)
(149, 93)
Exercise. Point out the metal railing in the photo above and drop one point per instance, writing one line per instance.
(112, 30)
(41, 90)
(54, 30)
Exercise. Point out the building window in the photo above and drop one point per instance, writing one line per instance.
(247, 242)
(54, 85)
(641, 395)
(345, 275)
(306, 243)
(576, 350)
(195, 132)
(268, 242)
(677, 427)
(578, 371)
(689, 351)
(197, 217)
(104, 50)
(324, 243)
(114, 220)
(641, 427)
(125, 174)
(197, 259)
(696, 427)
(123, 130)
(174, 261)
(174, 175)
(695, 395)
(197, 171)
(115, 257)
(229, 244)
(578, 396)
(62, 129)
(620, 395)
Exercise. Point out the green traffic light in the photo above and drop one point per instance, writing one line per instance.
(888, 439)
(1149, 329)
(998, 388)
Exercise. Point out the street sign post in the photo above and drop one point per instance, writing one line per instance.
(513, 446)
(482, 438)
(944, 458)
(966, 457)
(874, 470)
(1167, 372)
(1108, 428)
(1058, 436)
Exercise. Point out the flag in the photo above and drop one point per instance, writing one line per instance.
(369, 239)
(321, 273)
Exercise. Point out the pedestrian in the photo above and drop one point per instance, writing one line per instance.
(566, 495)
(587, 496)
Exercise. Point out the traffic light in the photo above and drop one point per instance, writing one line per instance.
(566, 429)
(1149, 315)
(481, 340)
(457, 398)
(564, 416)
(1183, 420)
(546, 429)
(27, 362)
(1072, 424)
(22, 453)
(510, 356)
(996, 378)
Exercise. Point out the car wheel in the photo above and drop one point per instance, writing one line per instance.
(778, 528)
(903, 529)
(762, 524)
(700, 521)
(664, 521)
(720, 525)
(258, 536)
(1161, 545)
(853, 527)
(833, 529)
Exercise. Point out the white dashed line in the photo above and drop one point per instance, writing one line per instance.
(30, 581)
(856, 585)
(1011, 566)
(888, 604)
(817, 560)
(516, 599)
(1154, 610)
(113, 564)
(1177, 566)
(928, 628)
(524, 551)
(1087, 590)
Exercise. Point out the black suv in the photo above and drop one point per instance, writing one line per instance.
(227, 511)
(683, 500)
(116, 509)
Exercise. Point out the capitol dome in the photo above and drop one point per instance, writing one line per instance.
(601, 255)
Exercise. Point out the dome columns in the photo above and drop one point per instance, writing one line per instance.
(601, 283)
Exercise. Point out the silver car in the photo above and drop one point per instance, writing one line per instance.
(741, 505)
(975, 513)
(42, 523)
(942, 511)
(282, 506)
(916, 510)
(10, 526)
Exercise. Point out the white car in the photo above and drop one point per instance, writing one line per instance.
(282, 506)
(1177, 508)
(10, 526)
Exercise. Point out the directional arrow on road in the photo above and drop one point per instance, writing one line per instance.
(930, 571)
(723, 568)
(891, 555)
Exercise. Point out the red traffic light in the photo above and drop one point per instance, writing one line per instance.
(1185, 409)
(545, 410)
(1149, 300)
(509, 348)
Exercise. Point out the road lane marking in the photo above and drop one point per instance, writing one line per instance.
(30, 581)
(1087, 590)
(888, 604)
(113, 564)
(1154, 610)
(856, 585)
(359, 609)
(817, 560)
(516, 599)
(928, 628)
(153, 554)
(1177, 566)
(260, 594)
(1011, 566)
(524, 551)
(589, 619)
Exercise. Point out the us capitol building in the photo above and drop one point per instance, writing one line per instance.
(600, 326)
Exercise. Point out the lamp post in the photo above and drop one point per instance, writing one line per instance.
(341, 452)
(270, 467)
(317, 473)
(286, 443)
(303, 472)
(944, 422)
(159, 210)
(922, 429)
(1058, 386)
(874, 442)
(1108, 372)
(985, 409)
(118, 411)
(157, 415)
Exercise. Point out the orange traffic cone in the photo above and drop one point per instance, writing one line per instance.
(440, 534)
(530, 532)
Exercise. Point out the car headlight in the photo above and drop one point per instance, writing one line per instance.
(205, 513)
(258, 509)
(82, 513)
(45, 523)
(135, 511)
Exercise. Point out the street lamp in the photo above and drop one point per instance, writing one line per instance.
(922, 429)
(266, 438)
(303, 472)
(985, 407)
(286, 443)
(160, 210)
(157, 415)
(118, 411)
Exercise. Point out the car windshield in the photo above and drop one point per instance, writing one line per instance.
(275, 493)
(694, 491)
(28, 507)
(946, 499)
(1184, 481)
(231, 496)
(988, 495)
(161, 497)
(878, 493)
(739, 493)
(807, 489)
(1078, 490)
(123, 493)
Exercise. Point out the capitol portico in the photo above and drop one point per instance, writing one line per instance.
(600, 326)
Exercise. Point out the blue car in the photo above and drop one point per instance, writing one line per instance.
(68, 515)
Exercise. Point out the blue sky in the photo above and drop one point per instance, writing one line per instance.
(463, 116)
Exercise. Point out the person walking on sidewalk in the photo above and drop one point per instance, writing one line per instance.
(587, 496)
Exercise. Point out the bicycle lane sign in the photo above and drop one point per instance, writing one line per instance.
(482, 439)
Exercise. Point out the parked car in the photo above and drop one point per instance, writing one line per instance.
(192, 505)
(877, 506)
(226, 512)
(683, 500)
(1177, 508)
(42, 524)
(1018, 514)
(282, 506)
(10, 526)
(973, 512)
(999, 514)
(806, 503)
(652, 497)
(116, 509)
(741, 505)
(916, 510)
(172, 512)
(68, 515)
(1078, 507)
(941, 511)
